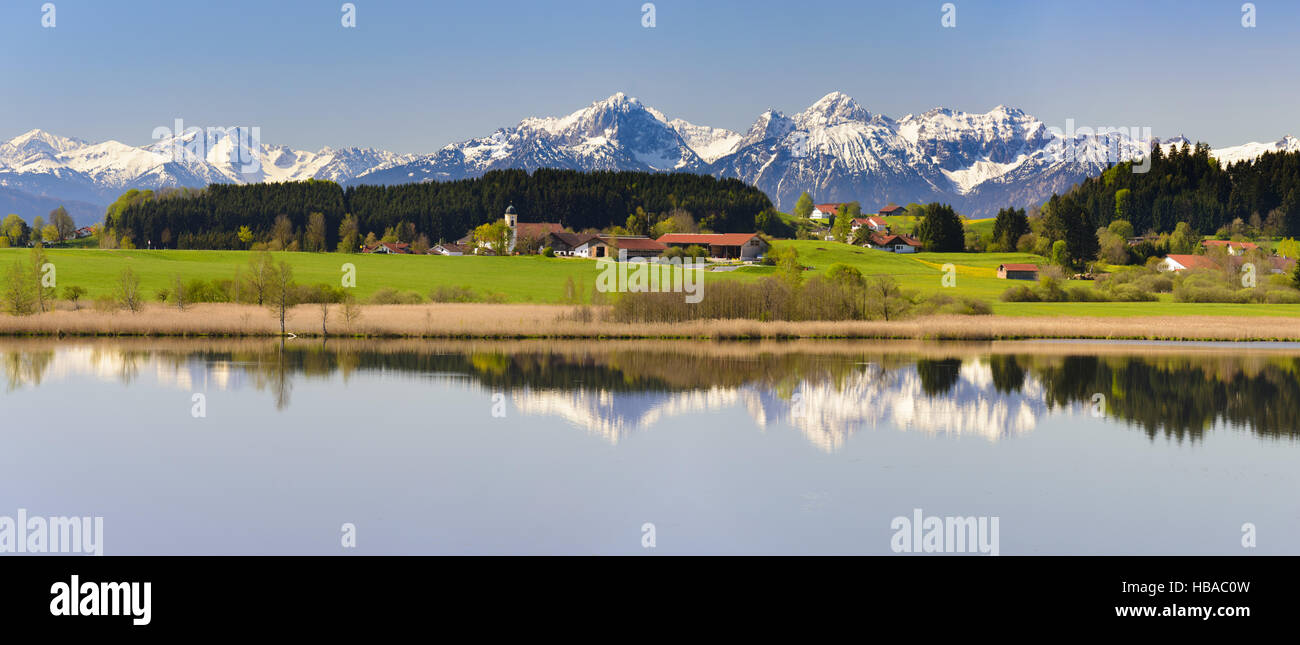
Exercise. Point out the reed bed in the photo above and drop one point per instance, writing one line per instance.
(515, 321)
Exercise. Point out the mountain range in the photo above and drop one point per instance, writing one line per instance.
(835, 149)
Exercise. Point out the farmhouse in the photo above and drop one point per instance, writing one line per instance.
(1018, 271)
(447, 248)
(1180, 263)
(893, 243)
(824, 211)
(1234, 248)
(874, 223)
(892, 209)
(564, 244)
(733, 246)
(605, 246)
(389, 248)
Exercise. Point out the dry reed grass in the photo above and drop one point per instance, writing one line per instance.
(512, 321)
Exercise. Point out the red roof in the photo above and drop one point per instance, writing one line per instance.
(1193, 261)
(872, 221)
(393, 247)
(883, 239)
(708, 239)
(1019, 267)
(828, 208)
(891, 209)
(1231, 244)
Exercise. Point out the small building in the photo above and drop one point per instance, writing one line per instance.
(1018, 271)
(593, 247)
(636, 247)
(729, 246)
(824, 211)
(874, 223)
(1179, 263)
(389, 248)
(892, 209)
(85, 231)
(893, 243)
(1234, 248)
(563, 243)
(1282, 265)
(446, 248)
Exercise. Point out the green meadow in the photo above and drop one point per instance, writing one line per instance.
(537, 279)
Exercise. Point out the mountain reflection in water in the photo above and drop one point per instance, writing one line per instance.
(826, 390)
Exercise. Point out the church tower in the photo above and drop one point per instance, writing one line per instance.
(512, 218)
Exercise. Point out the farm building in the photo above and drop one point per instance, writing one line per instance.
(1234, 248)
(824, 211)
(874, 223)
(1018, 271)
(446, 248)
(389, 248)
(893, 243)
(731, 246)
(892, 209)
(1179, 263)
(604, 246)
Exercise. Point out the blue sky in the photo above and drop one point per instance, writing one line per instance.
(415, 75)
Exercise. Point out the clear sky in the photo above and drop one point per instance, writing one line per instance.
(413, 76)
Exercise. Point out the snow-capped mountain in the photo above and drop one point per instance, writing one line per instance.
(836, 150)
(37, 167)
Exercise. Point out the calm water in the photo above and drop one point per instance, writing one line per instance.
(808, 448)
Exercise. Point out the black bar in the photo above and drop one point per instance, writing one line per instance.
(311, 594)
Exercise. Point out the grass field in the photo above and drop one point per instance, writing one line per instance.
(535, 279)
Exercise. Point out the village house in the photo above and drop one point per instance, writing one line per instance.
(874, 223)
(893, 243)
(563, 243)
(824, 211)
(1234, 248)
(389, 248)
(1018, 271)
(446, 248)
(892, 209)
(606, 246)
(1179, 263)
(729, 246)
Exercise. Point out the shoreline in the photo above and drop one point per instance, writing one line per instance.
(561, 322)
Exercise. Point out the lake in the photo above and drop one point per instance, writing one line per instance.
(652, 447)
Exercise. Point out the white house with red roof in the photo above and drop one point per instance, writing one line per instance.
(824, 211)
(874, 223)
(1179, 263)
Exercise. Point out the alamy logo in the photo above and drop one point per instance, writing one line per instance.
(920, 534)
(191, 145)
(56, 534)
(662, 275)
(76, 598)
(1100, 145)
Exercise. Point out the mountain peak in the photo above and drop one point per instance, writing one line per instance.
(834, 108)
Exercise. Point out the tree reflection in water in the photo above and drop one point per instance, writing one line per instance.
(1173, 393)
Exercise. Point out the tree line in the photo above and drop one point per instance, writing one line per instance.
(321, 215)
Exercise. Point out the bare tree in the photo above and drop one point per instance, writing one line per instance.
(259, 276)
(281, 292)
(128, 291)
(351, 310)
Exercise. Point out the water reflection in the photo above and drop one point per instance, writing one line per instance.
(826, 390)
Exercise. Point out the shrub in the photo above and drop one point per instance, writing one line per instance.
(390, 296)
(453, 294)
